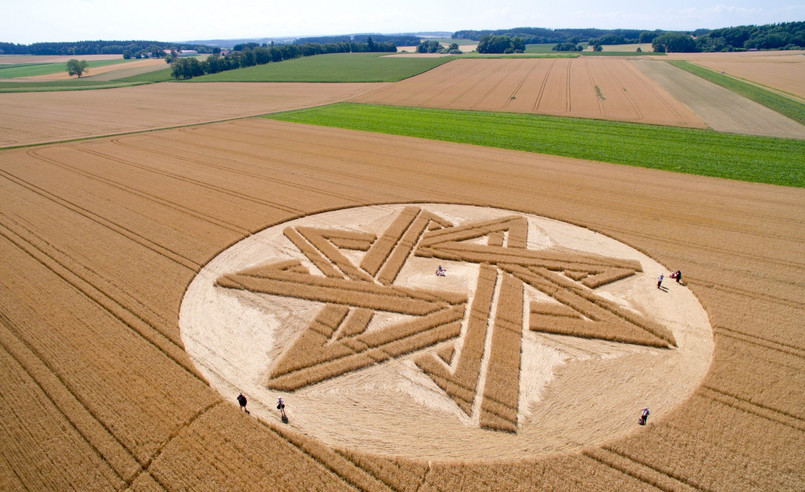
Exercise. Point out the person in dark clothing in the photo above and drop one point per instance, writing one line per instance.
(281, 408)
(242, 402)
(643, 416)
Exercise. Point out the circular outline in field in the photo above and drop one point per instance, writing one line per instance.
(278, 314)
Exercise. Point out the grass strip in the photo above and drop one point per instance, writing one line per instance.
(772, 100)
(335, 67)
(702, 152)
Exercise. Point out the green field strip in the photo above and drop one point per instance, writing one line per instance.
(702, 152)
(334, 67)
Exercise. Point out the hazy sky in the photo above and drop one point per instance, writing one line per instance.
(29, 21)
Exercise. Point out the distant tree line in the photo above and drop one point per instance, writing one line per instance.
(787, 35)
(133, 49)
(539, 35)
(396, 40)
(250, 55)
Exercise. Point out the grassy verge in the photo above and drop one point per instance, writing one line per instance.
(783, 105)
(703, 152)
(336, 67)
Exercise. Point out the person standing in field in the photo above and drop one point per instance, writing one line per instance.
(242, 402)
(677, 275)
(643, 416)
(659, 281)
(281, 408)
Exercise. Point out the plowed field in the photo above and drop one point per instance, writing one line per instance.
(100, 239)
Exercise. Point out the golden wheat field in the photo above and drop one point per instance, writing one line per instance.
(551, 266)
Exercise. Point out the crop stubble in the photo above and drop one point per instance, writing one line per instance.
(99, 240)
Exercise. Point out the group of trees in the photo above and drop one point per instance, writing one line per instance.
(433, 46)
(788, 35)
(250, 55)
(494, 43)
(567, 47)
(134, 49)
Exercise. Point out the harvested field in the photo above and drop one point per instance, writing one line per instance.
(584, 87)
(30, 118)
(100, 239)
(720, 108)
(778, 70)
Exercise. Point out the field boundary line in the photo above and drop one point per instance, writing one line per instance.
(780, 416)
(762, 342)
(12, 331)
(600, 456)
(141, 194)
(101, 277)
(98, 300)
(106, 223)
(673, 475)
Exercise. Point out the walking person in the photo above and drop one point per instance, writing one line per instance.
(677, 275)
(242, 402)
(281, 408)
(643, 416)
(659, 281)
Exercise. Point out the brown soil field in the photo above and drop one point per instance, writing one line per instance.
(30, 118)
(778, 70)
(100, 239)
(722, 109)
(582, 87)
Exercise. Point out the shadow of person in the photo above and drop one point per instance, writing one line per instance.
(284, 419)
(663, 288)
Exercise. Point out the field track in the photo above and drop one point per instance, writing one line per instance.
(99, 240)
